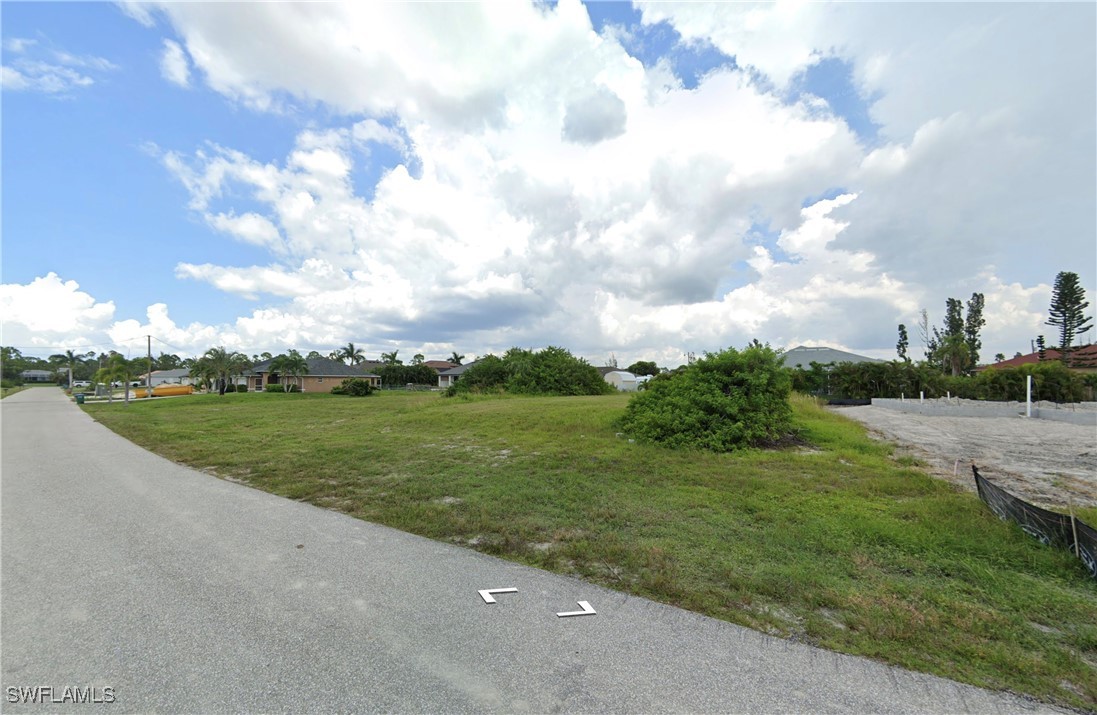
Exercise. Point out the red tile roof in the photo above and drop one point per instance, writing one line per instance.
(1083, 355)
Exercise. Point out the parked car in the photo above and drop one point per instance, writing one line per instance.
(81, 383)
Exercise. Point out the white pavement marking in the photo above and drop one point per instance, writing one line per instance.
(486, 593)
(588, 610)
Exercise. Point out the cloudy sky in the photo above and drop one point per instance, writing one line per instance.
(631, 180)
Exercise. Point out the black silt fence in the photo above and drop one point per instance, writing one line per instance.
(1049, 527)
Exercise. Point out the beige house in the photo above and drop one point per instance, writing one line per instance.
(322, 375)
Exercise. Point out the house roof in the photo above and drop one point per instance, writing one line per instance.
(440, 365)
(1084, 355)
(459, 370)
(318, 367)
(803, 356)
(37, 373)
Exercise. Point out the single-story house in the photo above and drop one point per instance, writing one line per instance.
(623, 380)
(802, 357)
(180, 376)
(38, 376)
(323, 374)
(1083, 358)
(448, 377)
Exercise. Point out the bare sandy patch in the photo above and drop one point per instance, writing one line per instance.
(1042, 461)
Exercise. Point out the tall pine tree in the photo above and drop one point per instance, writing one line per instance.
(1067, 311)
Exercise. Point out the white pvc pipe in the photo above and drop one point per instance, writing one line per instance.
(1028, 396)
(921, 396)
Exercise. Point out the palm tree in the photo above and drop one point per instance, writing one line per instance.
(290, 365)
(390, 358)
(115, 371)
(202, 371)
(455, 358)
(351, 354)
(70, 358)
(238, 365)
(223, 366)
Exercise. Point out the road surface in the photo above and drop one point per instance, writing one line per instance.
(132, 580)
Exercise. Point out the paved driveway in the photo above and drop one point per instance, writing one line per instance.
(130, 578)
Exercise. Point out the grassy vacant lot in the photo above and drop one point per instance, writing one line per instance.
(836, 543)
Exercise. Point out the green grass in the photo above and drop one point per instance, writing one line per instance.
(839, 544)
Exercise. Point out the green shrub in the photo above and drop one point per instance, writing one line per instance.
(230, 387)
(725, 401)
(401, 375)
(552, 371)
(354, 386)
(242, 388)
(274, 388)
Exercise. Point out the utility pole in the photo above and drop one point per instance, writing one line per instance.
(148, 378)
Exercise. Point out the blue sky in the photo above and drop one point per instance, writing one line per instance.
(642, 181)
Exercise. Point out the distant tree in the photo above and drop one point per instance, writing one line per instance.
(12, 363)
(1017, 354)
(956, 329)
(455, 358)
(417, 359)
(929, 342)
(1000, 357)
(1041, 348)
(167, 361)
(903, 344)
(390, 358)
(314, 355)
(973, 325)
(643, 367)
(1067, 311)
(954, 353)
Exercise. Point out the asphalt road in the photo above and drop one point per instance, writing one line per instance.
(168, 590)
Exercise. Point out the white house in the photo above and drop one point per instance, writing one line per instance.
(171, 377)
(446, 378)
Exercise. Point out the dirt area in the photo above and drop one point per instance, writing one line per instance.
(1044, 462)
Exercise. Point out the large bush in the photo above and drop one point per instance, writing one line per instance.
(725, 401)
(552, 371)
(354, 386)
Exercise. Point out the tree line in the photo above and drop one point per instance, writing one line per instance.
(952, 353)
